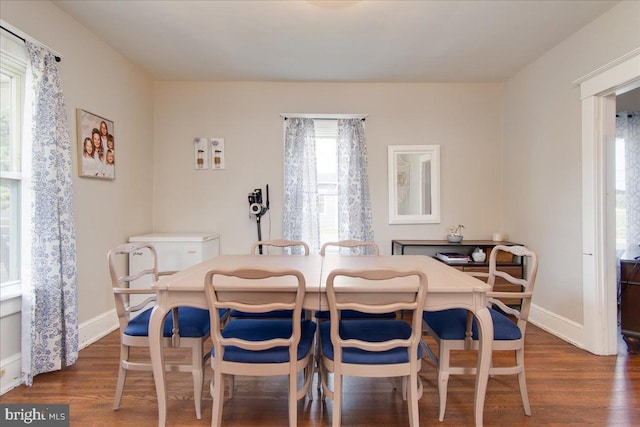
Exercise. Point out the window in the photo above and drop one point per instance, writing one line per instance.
(327, 169)
(12, 80)
(325, 157)
(621, 208)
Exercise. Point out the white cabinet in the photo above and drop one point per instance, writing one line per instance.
(175, 252)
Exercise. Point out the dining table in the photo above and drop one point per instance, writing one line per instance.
(447, 288)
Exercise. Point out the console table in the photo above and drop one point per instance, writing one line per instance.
(463, 247)
(630, 298)
(510, 264)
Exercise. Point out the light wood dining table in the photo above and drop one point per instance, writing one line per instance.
(447, 288)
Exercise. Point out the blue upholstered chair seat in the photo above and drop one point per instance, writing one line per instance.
(372, 331)
(193, 323)
(275, 314)
(261, 330)
(452, 324)
(353, 314)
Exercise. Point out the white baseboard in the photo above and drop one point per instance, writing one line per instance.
(88, 333)
(11, 368)
(98, 327)
(563, 328)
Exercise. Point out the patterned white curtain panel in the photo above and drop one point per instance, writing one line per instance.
(49, 300)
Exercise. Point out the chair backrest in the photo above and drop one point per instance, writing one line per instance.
(357, 247)
(394, 291)
(526, 285)
(233, 289)
(295, 245)
(121, 281)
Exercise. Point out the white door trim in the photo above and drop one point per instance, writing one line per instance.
(598, 90)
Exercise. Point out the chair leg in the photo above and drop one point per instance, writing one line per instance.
(443, 378)
(413, 399)
(523, 381)
(231, 381)
(403, 381)
(217, 390)
(316, 354)
(122, 376)
(197, 370)
(337, 399)
(293, 399)
(307, 378)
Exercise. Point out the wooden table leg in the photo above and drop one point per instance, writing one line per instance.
(156, 352)
(485, 330)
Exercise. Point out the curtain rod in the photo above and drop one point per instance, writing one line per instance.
(324, 116)
(22, 36)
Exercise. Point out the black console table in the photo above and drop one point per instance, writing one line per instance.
(444, 245)
(505, 261)
(630, 298)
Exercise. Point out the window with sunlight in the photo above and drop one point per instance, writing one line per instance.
(12, 77)
(621, 211)
(327, 170)
(326, 184)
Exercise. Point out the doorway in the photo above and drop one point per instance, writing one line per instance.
(625, 214)
(598, 93)
(626, 167)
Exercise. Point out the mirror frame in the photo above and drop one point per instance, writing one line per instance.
(393, 152)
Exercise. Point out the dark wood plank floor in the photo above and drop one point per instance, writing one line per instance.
(567, 386)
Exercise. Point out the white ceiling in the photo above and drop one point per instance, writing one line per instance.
(354, 41)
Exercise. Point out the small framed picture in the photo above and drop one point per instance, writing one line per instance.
(217, 153)
(200, 153)
(96, 146)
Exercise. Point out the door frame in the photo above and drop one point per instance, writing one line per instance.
(598, 91)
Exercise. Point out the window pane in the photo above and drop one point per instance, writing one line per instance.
(9, 146)
(327, 166)
(621, 206)
(9, 230)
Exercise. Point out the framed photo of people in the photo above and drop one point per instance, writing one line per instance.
(96, 146)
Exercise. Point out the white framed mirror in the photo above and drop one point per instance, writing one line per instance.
(414, 184)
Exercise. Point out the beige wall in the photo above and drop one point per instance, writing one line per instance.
(97, 79)
(537, 115)
(465, 119)
(542, 203)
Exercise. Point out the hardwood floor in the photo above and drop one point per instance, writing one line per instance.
(567, 386)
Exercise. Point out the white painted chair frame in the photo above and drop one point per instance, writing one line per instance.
(280, 243)
(286, 297)
(522, 315)
(351, 244)
(388, 299)
(124, 312)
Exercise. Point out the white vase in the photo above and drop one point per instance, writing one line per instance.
(478, 255)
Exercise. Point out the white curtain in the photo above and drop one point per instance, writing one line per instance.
(354, 203)
(628, 128)
(49, 295)
(300, 184)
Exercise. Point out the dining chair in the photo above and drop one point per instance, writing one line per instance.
(355, 247)
(373, 347)
(259, 347)
(281, 243)
(352, 247)
(184, 327)
(295, 246)
(456, 329)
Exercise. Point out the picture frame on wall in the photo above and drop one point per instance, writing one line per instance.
(96, 146)
(200, 153)
(217, 153)
(208, 151)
